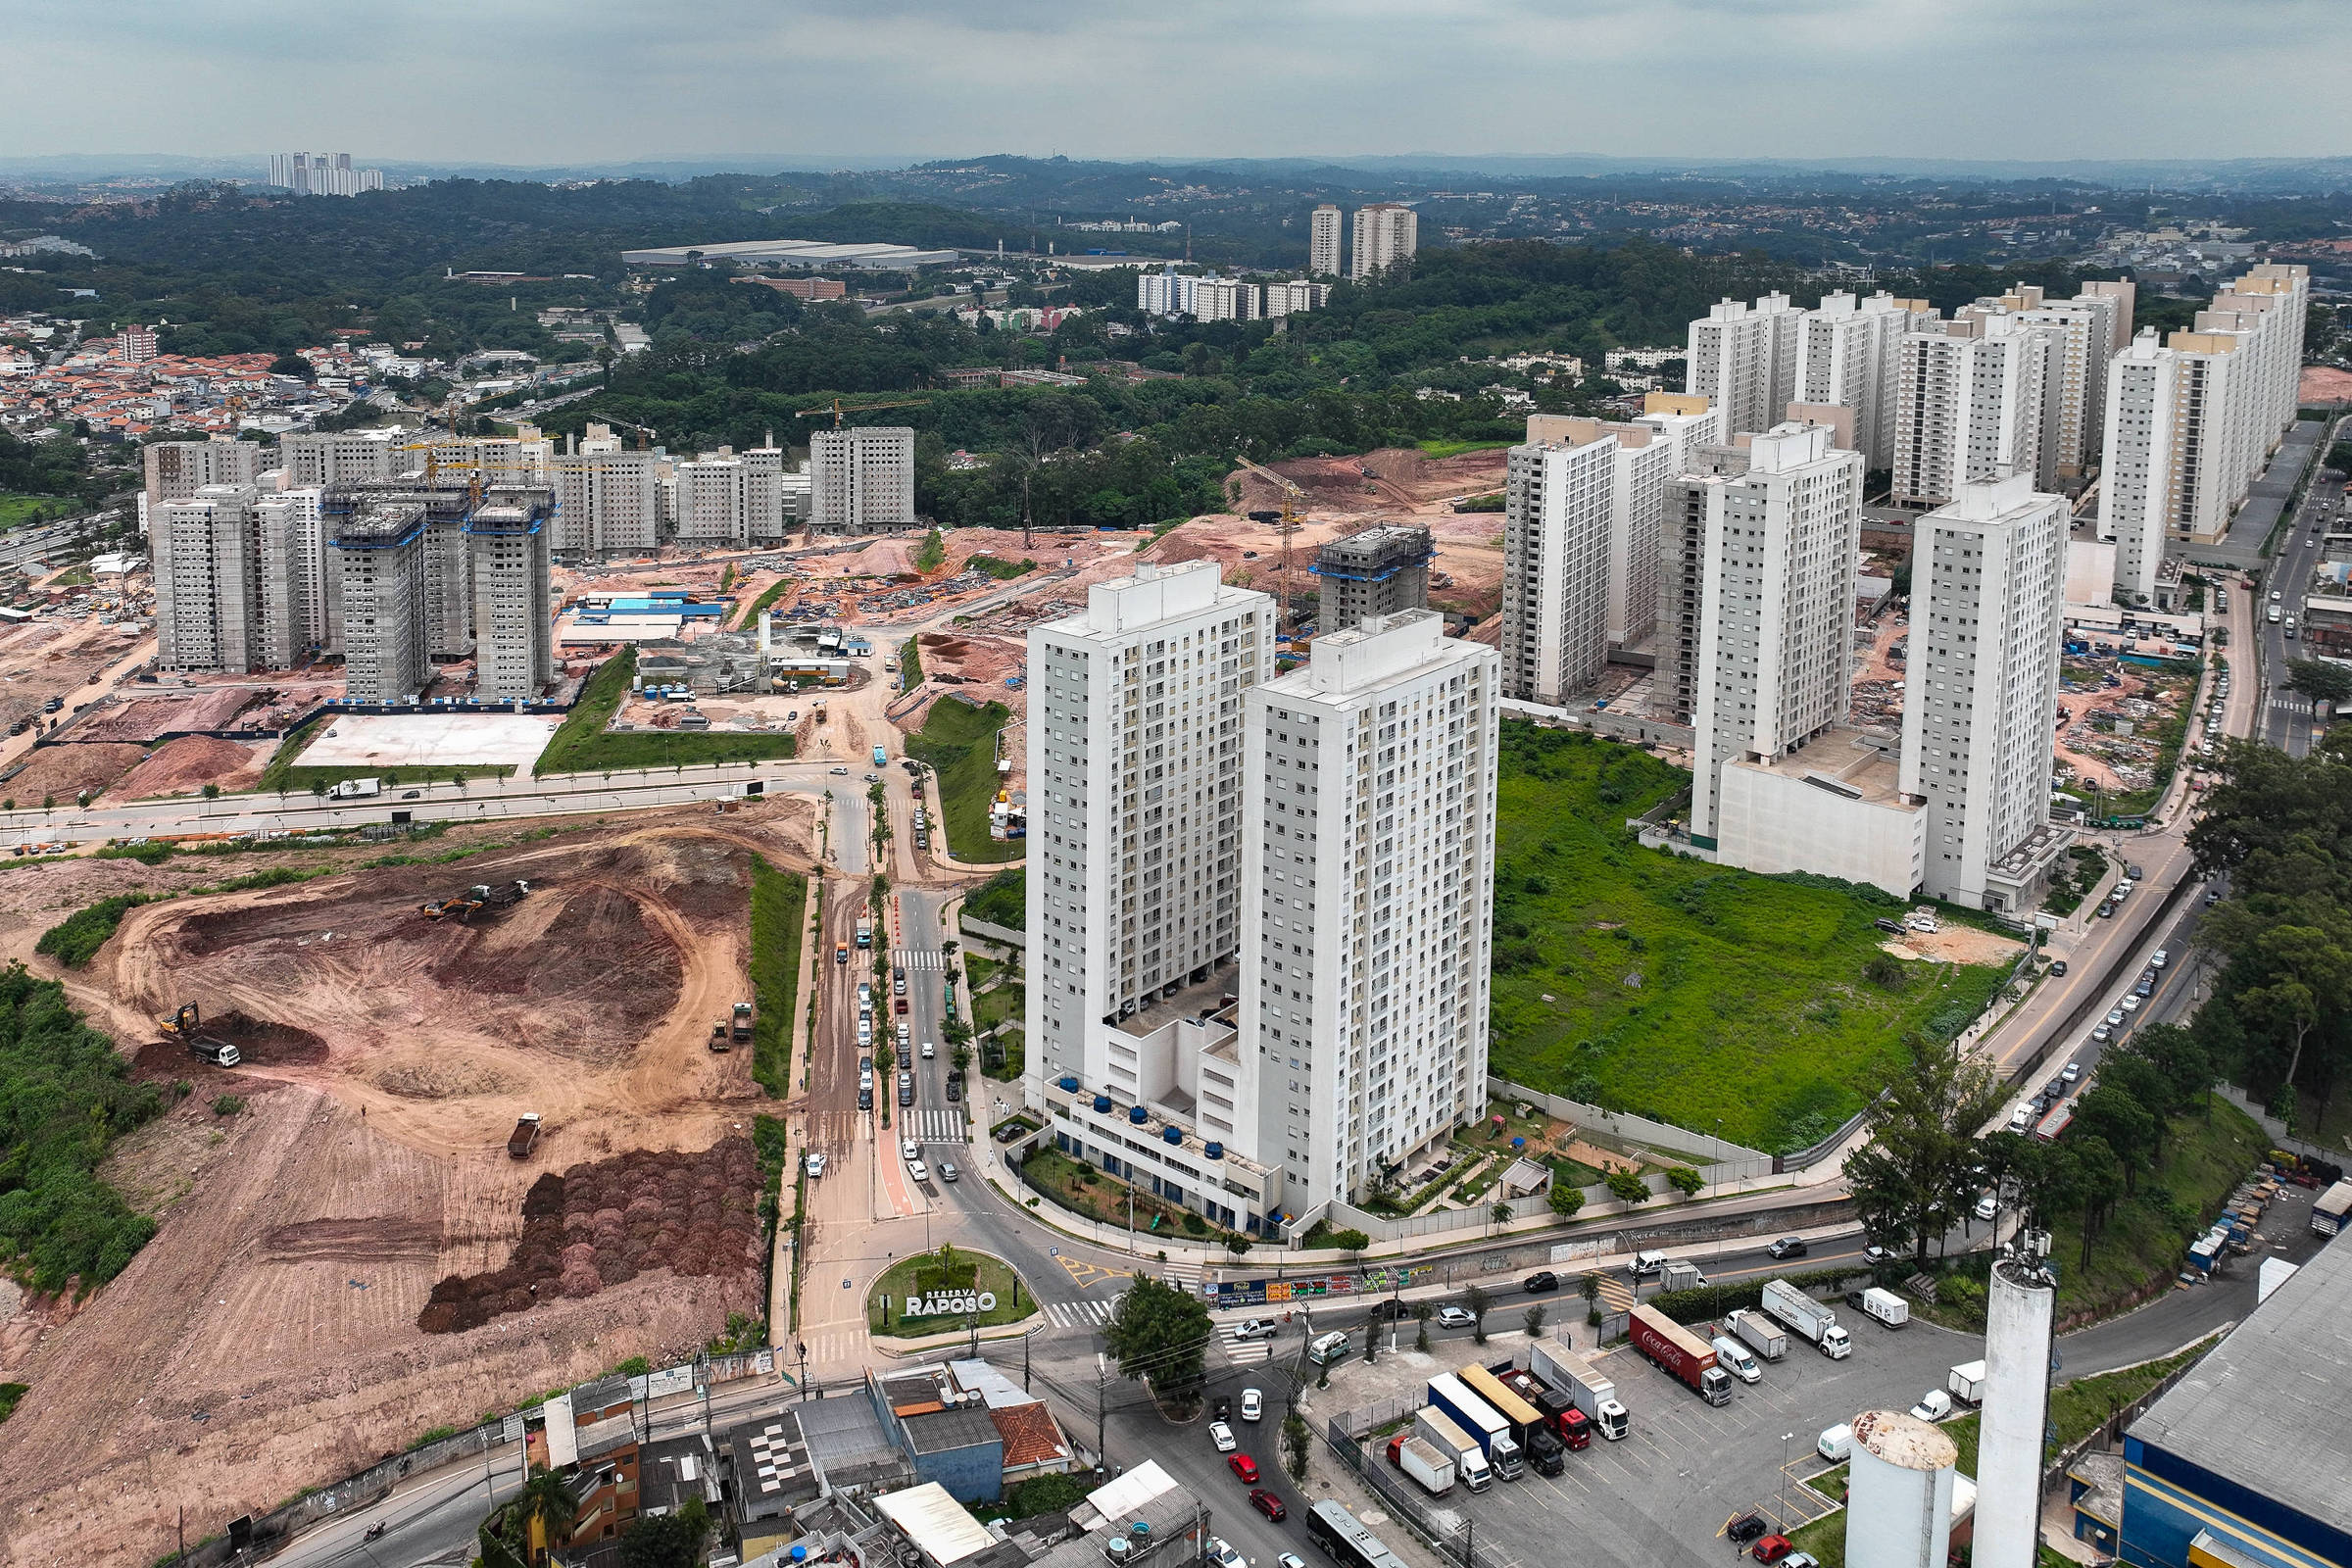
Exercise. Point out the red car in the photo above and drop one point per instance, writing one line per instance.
(1243, 1467)
(1267, 1503)
(1772, 1548)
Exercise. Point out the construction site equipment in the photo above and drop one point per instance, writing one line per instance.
(743, 1022)
(719, 1034)
(838, 408)
(187, 1026)
(1287, 521)
(525, 1135)
(481, 896)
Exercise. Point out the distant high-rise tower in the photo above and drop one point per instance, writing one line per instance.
(387, 651)
(1847, 351)
(507, 541)
(208, 599)
(177, 469)
(1323, 241)
(861, 479)
(1742, 359)
(1967, 405)
(1386, 234)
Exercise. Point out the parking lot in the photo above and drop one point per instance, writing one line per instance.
(430, 740)
(1663, 1494)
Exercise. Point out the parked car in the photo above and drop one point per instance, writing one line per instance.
(2072, 1072)
(1789, 1246)
(1836, 1444)
(909, 1149)
(1934, 1405)
(1456, 1317)
(1987, 1205)
(2114, 1017)
(2102, 1033)
(1243, 1468)
(1222, 1436)
(1746, 1527)
(1772, 1548)
(1541, 1280)
(1223, 1555)
(2057, 966)
(2163, 957)
(1267, 1503)
(918, 1170)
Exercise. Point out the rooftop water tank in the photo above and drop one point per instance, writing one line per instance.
(1173, 1135)
(1137, 1115)
(1213, 1150)
(1070, 1083)
(1101, 1103)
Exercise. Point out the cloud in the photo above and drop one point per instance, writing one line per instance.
(541, 81)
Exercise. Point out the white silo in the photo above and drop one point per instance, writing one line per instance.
(1898, 1510)
(2017, 1385)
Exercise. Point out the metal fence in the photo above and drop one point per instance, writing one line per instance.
(1453, 1539)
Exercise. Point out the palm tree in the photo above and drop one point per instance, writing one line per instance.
(546, 1500)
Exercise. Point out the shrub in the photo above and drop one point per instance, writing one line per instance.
(228, 1104)
(75, 939)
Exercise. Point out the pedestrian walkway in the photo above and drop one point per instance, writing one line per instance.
(838, 1345)
(1247, 1352)
(1080, 1315)
(918, 958)
(935, 1126)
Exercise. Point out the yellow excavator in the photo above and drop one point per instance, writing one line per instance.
(186, 1025)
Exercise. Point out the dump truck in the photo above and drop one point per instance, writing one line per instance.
(1429, 1466)
(186, 1025)
(1812, 1321)
(1669, 1345)
(525, 1135)
(1568, 1373)
(1758, 1333)
(743, 1023)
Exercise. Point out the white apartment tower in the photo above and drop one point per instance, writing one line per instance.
(294, 566)
(607, 501)
(1323, 241)
(340, 456)
(1386, 234)
(1135, 773)
(208, 599)
(2137, 499)
(861, 479)
(1967, 405)
(1777, 549)
(177, 469)
(522, 457)
(387, 651)
(1989, 576)
(1559, 513)
(725, 496)
(1367, 923)
(507, 542)
(1742, 359)
(1845, 355)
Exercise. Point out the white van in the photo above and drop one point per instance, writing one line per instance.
(1647, 1263)
(2021, 1118)
(1736, 1358)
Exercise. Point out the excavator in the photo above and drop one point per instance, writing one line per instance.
(187, 1026)
(481, 896)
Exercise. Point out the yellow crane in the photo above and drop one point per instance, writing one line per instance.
(837, 409)
(1288, 523)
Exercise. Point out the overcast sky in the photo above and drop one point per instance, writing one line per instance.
(538, 81)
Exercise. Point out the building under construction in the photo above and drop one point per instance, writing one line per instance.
(1380, 571)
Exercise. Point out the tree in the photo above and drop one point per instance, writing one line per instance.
(1298, 1441)
(1627, 1187)
(318, 787)
(1351, 1241)
(1913, 1175)
(212, 791)
(2323, 682)
(1683, 1180)
(546, 1500)
(2127, 1128)
(1566, 1201)
(1500, 1213)
(2096, 1187)
(1421, 1313)
(1536, 1316)
(1478, 1302)
(2183, 1057)
(1238, 1244)
(669, 1540)
(1162, 1333)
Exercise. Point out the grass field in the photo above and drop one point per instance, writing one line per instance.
(958, 742)
(583, 746)
(779, 925)
(1690, 993)
(16, 508)
(1454, 449)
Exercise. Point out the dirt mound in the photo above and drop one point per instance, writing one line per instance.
(603, 1224)
(143, 718)
(184, 766)
(65, 772)
(440, 1078)
(266, 1043)
(352, 1240)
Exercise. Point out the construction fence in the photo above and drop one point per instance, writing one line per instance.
(1455, 1539)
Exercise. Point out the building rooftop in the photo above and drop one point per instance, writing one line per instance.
(2267, 1408)
(935, 1523)
(772, 1464)
(1029, 1433)
(380, 527)
(950, 1431)
(1857, 764)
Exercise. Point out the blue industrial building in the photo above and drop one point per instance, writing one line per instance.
(2247, 1461)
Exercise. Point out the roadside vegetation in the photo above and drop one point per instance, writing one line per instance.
(959, 743)
(1694, 994)
(582, 745)
(779, 923)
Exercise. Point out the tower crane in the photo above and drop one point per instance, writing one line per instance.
(837, 409)
(1287, 521)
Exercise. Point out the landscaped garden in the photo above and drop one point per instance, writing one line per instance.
(1083, 1189)
(1714, 999)
(949, 1275)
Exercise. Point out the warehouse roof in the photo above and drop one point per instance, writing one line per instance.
(2267, 1408)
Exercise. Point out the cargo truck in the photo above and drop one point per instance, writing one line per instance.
(2332, 1209)
(1681, 1276)
(1669, 1345)
(1758, 1333)
(1492, 1434)
(1591, 1394)
(1436, 1428)
(1431, 1468)
(1966, 1383)
(865, 931)
(1810, 1320)
(525, 1135)
(1885, 1305)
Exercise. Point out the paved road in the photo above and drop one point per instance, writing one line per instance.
(2287, 716)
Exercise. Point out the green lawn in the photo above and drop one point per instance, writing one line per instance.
(1002, 900)
(921, 1274)
(16, 508)
(958, 740)
(583, 744)
(1693, 994)
(1454, 449)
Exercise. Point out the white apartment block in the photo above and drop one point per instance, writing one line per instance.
(522, 457)
(1559, 514)
(1742, 359)
(341, 455)
(208, 596)
(1135, 771)
(1386, 234)
(1323, 241)
(1776, 551)
(724, 496)
(1989, 578)
(513, 619)
(607, 502)
(2137, 500)
(1969, 406)
(1845, 355)
(294, 566)
(1367, 925)
(387, 653)
(862, 481)
(1292, 297)
(177, 469)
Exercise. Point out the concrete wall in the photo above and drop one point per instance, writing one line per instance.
(1770, 822)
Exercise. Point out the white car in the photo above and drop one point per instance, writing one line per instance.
(1254, 1404)
(1223, 1555)
(1987, 1206)
(929, 1050)
(1836, 1444)
(907, 1149)
(1222, 1436)
(1456, 1317)
(2129, 1003)
(1255, 1327)
(1290, 1559)
(816, 1163)
(2071, 1072)
(2161, 958)
(1934, 1405)
(918, 1170)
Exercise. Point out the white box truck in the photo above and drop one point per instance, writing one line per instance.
(1431, 1467)
(1887, 1307)
(1437, 1429)
(1681, 1276)
(1966, 1383)
(1758, 1333)
(1568, 1373)
(1810, 1320)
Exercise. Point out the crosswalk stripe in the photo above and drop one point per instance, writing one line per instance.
(1079, 1315)
(918, 958)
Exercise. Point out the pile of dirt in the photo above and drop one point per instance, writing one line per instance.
(603, 1224)
(65, 772)
(265, 1044)
(143, 718)
(184, 766)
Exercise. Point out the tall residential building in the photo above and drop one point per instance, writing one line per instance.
(1845, 355)
(522, 457)
(2075, 387)
(729, 496)
(1386, 234)
(321, 175)
(2189, 424)
(862, 479)
(507, 546)
(1135, 773)
(294, 575)
(135, 345)
(1559, 502)
(1368, 925)
(1323, 241)
(1742, 359)
(1988, 584)
(208, 597)
(607, 501)
(341, 455)
(177, 469)
(387, 650)
(1777, 549)
(1283, 298)
(1967, 405)
(1375, 572)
